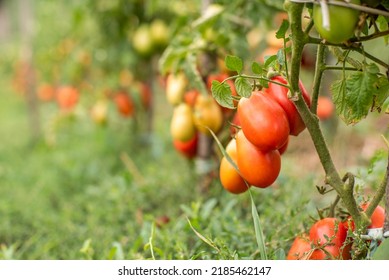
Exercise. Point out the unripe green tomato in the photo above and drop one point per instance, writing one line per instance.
(342, 22)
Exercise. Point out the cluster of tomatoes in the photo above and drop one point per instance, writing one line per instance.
(328, 238)
(193, 113)
(266, 118)
(67, 97)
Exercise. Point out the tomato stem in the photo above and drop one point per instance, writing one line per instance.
(319, 70)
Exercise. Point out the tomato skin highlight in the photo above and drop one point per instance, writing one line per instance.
(342, 22)
(336, 232)
(300, 249)
(259, 168)
(263, 121)
(229, 177)
(280, 94)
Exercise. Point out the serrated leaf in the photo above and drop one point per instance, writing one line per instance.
(381, 94)
(281, 33)
(256, 68)
(222, 94)
(354, 96)
(382, 252)
(243, 87)
(234, 63)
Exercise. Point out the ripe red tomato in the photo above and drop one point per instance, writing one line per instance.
(259, 168)
(300, 249)
(146, 95)
(263, 121)
(67, 97)
(187, 148)
(124, 104)
(325, 107)
(229, 177)
(284, 147)
(336, 233)
(280, 94)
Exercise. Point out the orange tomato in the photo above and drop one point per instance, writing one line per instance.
(325, 107)
(67, 97)
(46, 92)
(257, 167)
(229, 177)
(124, 104)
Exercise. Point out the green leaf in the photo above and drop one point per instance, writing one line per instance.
(354, 95)
(382, 252)
(270, 60)
(222, 94)
(281, 56)
(281, 33)
(243, 87)
(381, 94)
(209, 14)
(234, 63)
(256, 68)
(258, 230)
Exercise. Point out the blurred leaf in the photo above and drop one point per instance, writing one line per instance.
(258, 230)
(203, 238)
(256, 68)
(222, 94)
(281, 33)
(234, 63)
(243, 87)
(209, 14)
(270, 60)
(382, 252)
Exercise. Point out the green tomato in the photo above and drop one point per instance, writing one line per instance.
(342, 22)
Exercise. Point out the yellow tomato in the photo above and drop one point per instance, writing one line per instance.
(175, 88)
(207, 114)
(182, 125)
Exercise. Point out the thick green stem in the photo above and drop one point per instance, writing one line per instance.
(299, 39)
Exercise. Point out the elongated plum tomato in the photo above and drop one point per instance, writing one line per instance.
(280, 94)
(333, 232)
(182, 126)
(229, 177)
(124, 104)
(342, 22)
(207, 114)
(300, 249)
(377, 219)
(187, 148)
(259, 168)
(263, 121)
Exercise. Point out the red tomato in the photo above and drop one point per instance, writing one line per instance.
(280, 94)
(187, 148)
(300, 249)
(191, 96)
(377, 218)
(336, 233)
(263, 121)
(67, 97)
(284, 147)
(325, 107)
(124, 104)
(259, 168)
(229, 177)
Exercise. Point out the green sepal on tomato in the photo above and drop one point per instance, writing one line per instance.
(263, 121)
(342, 22)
